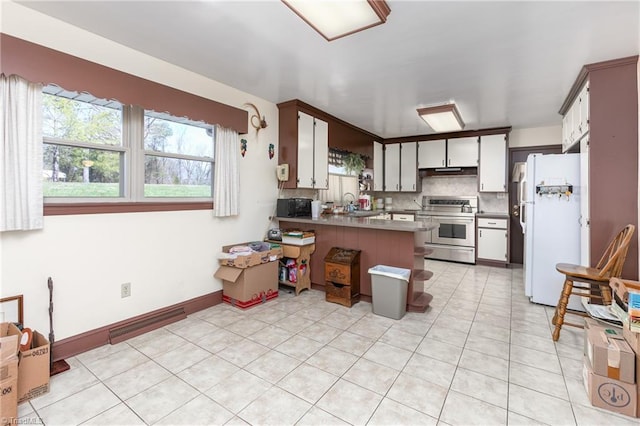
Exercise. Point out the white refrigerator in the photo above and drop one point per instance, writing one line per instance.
(550, 219)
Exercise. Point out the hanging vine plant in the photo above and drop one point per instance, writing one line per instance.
(353, 162)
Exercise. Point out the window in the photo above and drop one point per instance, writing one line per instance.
(178, 158)
(83, 149)
(98, 150)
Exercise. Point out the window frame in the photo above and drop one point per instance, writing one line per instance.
(132, 173)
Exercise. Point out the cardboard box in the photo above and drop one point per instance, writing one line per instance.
(9, 368)
(9, 340)
(609, 355)
(9, 397)
(33, 369)
(247, 287)
(252, 259)
(610, 394)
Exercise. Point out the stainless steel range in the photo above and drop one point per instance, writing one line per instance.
(455, 237)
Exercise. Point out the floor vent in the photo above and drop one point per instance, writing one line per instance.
(145, 324)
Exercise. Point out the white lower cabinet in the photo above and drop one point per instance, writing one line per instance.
(493, 239)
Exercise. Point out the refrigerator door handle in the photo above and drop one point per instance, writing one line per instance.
(522, 203)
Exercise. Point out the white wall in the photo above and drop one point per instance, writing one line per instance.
(534, 136)
(168, 257)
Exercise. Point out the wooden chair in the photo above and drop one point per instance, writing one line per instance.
(595, 280)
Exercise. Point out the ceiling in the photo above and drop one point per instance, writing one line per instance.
(504, 63)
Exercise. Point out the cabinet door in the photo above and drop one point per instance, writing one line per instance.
(392, 167)
(321, 155)
(492, 244)
(408, 167)
(378, 165)
(462, 152)
(566, 131)
(493, 164)
(432, 154)
(583, 126)
(305, 150)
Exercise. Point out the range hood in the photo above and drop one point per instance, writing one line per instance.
(450, 171)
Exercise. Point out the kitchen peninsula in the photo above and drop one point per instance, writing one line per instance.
(382, 242)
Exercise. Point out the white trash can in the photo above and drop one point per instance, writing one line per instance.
(389, 290)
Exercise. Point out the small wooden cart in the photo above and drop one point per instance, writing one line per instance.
(302, 256)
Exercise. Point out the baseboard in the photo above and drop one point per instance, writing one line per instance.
(92, 339)
(486, 262)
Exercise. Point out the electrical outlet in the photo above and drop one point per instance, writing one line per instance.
(125, 290)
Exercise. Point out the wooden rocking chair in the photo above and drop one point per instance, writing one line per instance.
(595, 280)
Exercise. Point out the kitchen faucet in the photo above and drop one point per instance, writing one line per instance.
(344, 196)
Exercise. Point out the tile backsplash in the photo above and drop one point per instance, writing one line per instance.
(449, 185)
(440, 185)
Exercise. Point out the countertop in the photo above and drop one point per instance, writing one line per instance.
(363, 222)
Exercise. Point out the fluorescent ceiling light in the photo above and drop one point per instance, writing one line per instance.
(442, 118)
(337, 18)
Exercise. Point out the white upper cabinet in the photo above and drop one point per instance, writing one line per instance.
(313, 152)
(432, 154)
(305, 150)
(321, 155)
(392, 167)
(462, 152)
(378, 167)
(409, 167)
(459, 152)
(492, 171)
(575, 123)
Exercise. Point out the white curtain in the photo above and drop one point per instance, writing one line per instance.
(226, 179)
(21, 167)
(339, 185)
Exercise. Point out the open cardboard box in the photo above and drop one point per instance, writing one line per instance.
(252, 259)
(247, 287)
(34, 369)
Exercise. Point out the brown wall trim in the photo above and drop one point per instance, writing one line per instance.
(541, 147)
(37, 63)
(450, 135)
(306, 108)
(56, 209)
(584, 72)
(83, 342)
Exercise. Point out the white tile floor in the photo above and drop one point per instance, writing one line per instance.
(482, 354)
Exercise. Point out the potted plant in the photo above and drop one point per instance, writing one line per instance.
(353, 162)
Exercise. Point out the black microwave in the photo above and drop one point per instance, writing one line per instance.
(293, 207)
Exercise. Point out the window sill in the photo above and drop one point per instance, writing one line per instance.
(56, 209)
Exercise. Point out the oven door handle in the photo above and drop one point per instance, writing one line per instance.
(446, 221)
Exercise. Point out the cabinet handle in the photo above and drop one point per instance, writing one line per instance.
(480, 232)
(397, 186)
(491, 223)
(482, 186)
(449, 161)
(443, 162)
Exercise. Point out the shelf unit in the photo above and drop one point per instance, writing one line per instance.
(417, 299)
(302, 256)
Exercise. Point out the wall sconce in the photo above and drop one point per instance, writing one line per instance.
(335, 19)
(255, 120)
(442, 118)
